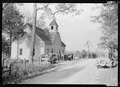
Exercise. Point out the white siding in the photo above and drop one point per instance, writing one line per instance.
(39, 48)
(25, 52)
(40, 45)
(14, 50)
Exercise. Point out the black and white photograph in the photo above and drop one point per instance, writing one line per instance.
(60, 43)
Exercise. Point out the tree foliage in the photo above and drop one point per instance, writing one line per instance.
(84, 53)
(12, 23)
(109, 20)
(50, 9)
(77, 53)
(5, 45)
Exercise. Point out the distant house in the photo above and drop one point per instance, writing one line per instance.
(43, 43)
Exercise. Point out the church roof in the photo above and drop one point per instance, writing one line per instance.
(40, 32)
(63, 44)
(53, 22)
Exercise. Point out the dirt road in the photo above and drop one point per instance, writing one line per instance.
(72, 72)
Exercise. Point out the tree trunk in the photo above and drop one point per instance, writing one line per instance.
(39, 61)
(10, 45)
(33, 33)
(10, 51)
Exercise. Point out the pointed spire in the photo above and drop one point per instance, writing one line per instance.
(53, 22)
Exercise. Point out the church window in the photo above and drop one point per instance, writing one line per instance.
(52, 50)
(51, 27)
(21, 51)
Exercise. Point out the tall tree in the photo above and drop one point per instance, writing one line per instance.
(12, 23)
(50, 9)
(5, 45)
(109, 20)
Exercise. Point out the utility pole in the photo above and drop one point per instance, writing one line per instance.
(88, 44)
(33, 33)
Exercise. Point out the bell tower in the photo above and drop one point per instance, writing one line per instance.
(53, 26)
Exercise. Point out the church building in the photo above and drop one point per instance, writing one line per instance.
(45, 42)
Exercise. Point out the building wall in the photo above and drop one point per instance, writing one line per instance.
(25, 50)
(57, 47)
(39, 49)
(63, 50)
(14, 50)
(48, 49)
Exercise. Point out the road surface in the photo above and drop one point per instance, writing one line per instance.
(76, 72)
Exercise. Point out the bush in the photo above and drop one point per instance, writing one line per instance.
(19, 70)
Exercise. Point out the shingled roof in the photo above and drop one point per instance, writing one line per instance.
(40, 32)
(63, 44)
(53, 22)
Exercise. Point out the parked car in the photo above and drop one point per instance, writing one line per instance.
(104, 62)
(65, 57)
(53, 58)
(70, 56)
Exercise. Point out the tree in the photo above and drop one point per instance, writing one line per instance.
(50, 9)
(12, 23)
(5, 46)
(4, 5)
(77, 53)
(109, 20)
(84, 53)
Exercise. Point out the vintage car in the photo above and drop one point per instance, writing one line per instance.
(53, 58)
(104, 62)
(70, 56)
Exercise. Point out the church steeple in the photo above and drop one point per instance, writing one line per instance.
(53, 26)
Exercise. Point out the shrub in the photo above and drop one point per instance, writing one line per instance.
(19, 70)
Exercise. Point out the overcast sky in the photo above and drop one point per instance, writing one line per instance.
(76, 30)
